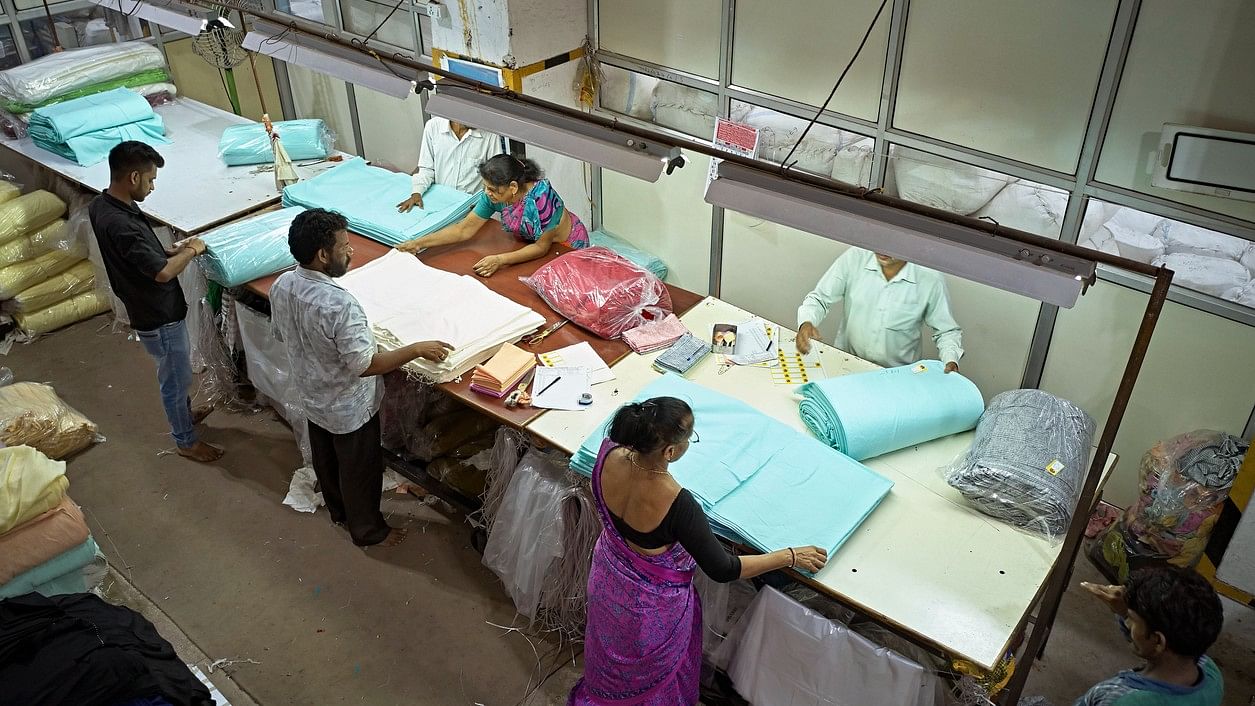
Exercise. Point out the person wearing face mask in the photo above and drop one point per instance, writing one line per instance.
(337, 365)
(144, 275)
(1171, 617)
(530, 209)
(886, 300)
(643, 636)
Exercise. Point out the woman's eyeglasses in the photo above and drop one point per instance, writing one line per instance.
(695, 438)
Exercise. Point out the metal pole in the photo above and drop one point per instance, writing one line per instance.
(1057, 582)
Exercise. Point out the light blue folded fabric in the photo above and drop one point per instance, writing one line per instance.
(368, 196)
(85, 129)
(55, 575)
(240, 252)
(249, 144)
(865, 415)
(760, 481)
(632, 253)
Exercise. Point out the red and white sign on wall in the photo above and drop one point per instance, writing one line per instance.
(735, 138)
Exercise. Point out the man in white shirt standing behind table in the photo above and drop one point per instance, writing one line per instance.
(450, 154)
(886, 300)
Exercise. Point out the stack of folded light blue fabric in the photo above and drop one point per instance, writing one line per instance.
(83, 130)
(250, 144)
(368, 196)
(868, 414)
(639, 257)
(240, 252)
(760, 481)
(61, 574)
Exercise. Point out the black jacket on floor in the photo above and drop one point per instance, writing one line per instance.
(78, 649)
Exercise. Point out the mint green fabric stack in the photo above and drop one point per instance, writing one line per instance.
(83, 130)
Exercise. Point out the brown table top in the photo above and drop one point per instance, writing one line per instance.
(491, 239)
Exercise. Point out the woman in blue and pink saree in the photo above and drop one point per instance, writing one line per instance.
(643, 638)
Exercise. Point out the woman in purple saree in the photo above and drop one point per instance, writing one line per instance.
(643, 640)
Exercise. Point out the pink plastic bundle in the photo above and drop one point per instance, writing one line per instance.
(601, 291)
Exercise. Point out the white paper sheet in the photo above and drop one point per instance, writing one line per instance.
(753, 344)
(560, 388)
(579, 355)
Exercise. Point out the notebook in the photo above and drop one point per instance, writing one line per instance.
(682, 355)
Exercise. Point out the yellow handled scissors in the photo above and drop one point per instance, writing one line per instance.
(534, 340)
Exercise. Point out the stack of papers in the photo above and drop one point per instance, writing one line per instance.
(760, 481)
(560, 388)
(503, 371)
(579, 355)
(654, 335)
(407, 302)
(368, 196)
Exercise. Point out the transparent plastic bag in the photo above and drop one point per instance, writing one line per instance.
(54, 236)
(79, 279)
(527, 534)
(21, 275)
(58, 315)
(33, 414)
(1183, 484)
(28, 213)
(47, 77)
(601, 291)
(308, 138)
(1027, 461)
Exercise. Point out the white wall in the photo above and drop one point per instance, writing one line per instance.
(1197, 375)
(571, 177)
(682, 35)
(1190, 63)
(474, 28)
(317, 95)
(392, 129)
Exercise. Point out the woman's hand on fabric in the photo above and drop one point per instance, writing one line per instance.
(414, 201)
(1113, 596)
(488, 265)
(411, 246)
(809, 559)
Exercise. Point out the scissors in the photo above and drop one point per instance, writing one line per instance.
(535, 340)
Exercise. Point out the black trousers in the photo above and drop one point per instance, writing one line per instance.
(349, 468)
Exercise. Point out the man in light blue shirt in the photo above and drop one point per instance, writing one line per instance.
(886, 300)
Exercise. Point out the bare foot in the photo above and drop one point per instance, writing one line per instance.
(395, 537)
(201, 452)
(199, 413)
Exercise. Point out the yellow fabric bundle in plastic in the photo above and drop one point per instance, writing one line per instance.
(19, 276)
(9, 191)
(27, 213)
(71, 283)
(54, 236)
(33, 414)
(30, 485)
(64, 313)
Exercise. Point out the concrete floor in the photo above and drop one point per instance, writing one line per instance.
(313, 619)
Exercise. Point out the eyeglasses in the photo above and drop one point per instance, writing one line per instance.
(695, 438)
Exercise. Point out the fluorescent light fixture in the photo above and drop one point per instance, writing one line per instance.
(555, 131)
(325, 57)
(998, 261)
(171, 15)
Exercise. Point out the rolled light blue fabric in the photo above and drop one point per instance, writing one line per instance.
(632, 253)
(868, 414)
(368, 196)
(250, 144)
(83, 130)
(240, 252)
(760, 481)
(60, 574)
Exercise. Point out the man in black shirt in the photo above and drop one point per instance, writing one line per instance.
(144, 275)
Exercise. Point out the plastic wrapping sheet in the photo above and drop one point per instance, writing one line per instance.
(253, 247)
(309, 138)
(1027, 462)
(266, 360)
(135, 80)
(784, 653)
(32, 484)
(526, 537)
(9, 190)
(1183, 484)
(25, 274)
(638, 257)
(723, 606)
(80, 227)
(33, 414)
(864, 415)
(79, 279)
(508, 447)
(54, 236)
(28, 213)
(85, 129)
(601, 291)
(41, 539)
(55, 74)
(79, 307)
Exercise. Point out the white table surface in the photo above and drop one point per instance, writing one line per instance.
(923, 560)
(195, 190)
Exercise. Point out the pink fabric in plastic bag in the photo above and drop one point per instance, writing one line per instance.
(601, 291)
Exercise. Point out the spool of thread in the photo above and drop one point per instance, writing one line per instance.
(586, 398)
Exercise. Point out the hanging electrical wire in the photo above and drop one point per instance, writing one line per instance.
(785, 164)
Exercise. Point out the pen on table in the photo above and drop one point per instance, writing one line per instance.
(546, 387)
(770, 344)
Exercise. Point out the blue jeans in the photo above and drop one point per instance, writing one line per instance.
(170, 348)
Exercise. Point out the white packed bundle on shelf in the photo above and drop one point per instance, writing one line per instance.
(1248, 259)
(852, 163)
(950, 186)
(778, 133)
(1131, 230)
(1185, 238)
(1211, 275)
(55, 74)
(685, 109)
(1243, 295)
(1027, 207)
(627, 92)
